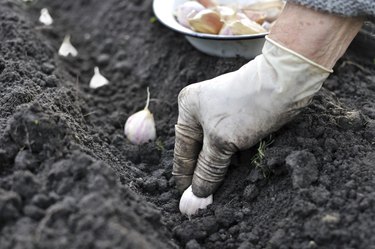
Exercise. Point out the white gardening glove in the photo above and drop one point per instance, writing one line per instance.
(235, 111)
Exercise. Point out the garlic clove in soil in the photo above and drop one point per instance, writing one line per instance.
(67, 48)
(140, 127)
(45, 17)
(190, 204)
(187, 10)
(206, 21)
(98, 80)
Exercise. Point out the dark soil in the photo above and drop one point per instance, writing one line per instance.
(69, 178)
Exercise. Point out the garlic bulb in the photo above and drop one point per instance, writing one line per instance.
(206, 21)
(190, 204)
(45, 17)
(187, 10)
(67, 48)
(140, 127)
(98, 80)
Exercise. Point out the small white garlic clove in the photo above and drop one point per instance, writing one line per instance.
(140, 127)
(187, 10)
(190, 204)
(98, 80)
(67, 48)
(45, 17)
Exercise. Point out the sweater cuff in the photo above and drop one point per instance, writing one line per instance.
(349, 8)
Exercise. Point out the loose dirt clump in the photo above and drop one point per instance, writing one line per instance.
(70, 179)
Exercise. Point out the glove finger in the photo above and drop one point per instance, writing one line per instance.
(211, 168)
(189, 137)
(187, 147)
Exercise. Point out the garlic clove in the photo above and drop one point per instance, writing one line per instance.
(140, 127)
(98, 80)
(206, 21)
(208, 3)
(225, 12)
(241, 26)
(190, 204)
(267, 26)
(226, 30)
(67, 48)
(187, 10)
(45, 17)
(271, 8)
(256, 16)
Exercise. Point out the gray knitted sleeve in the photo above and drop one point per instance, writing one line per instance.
(342, 7)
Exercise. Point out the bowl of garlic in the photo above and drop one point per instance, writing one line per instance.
(224, 28)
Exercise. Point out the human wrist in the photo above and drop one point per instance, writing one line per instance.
(295, 77)
(320, 37)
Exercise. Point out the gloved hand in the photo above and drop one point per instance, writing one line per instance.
(235, 111)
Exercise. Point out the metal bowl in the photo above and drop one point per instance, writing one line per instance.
(247, 46)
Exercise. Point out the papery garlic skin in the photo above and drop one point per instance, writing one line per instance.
(190, 204)
(67, 48)
(98, 80)
(187, 10)
(45, 17)
(140, 127)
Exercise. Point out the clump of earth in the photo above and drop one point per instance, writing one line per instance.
(70, 179)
